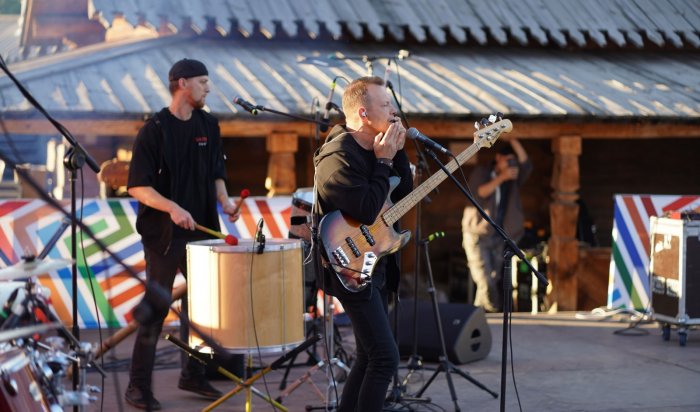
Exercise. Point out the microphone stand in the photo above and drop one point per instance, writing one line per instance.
(415, 361)
(510, 249)
(293, 116)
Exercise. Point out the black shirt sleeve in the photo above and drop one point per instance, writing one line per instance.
(144, 159)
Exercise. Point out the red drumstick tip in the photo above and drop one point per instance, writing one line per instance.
(231, 240)
(245, 193)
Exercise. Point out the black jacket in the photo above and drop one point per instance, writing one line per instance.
(349, 179)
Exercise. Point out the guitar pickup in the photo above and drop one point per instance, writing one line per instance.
(368, 236)
(341, 257)
(353, 247)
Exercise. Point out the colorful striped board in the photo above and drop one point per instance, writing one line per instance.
(27, 225)
(628, 285)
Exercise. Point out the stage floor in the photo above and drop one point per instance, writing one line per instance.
(560, 364)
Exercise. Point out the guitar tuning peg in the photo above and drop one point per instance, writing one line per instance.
(484, 121)
(476, 125)
(492, 119)
(500, 116)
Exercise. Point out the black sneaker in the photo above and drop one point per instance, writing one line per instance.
(199, 386)
(141, 398)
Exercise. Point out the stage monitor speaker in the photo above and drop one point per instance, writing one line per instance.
(467, 335)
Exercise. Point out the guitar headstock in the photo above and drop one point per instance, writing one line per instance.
(492, 129)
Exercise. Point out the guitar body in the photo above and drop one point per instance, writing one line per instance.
(353, 249)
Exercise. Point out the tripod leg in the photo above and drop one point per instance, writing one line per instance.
(448, 369)
(468, 377)
(283, 384)
(429, 381)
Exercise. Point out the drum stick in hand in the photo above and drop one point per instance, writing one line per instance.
(229, 239)
(244, 193)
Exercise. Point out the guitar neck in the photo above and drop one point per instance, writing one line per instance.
(401, 207)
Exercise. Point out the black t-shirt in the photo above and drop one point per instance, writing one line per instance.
(181, 160)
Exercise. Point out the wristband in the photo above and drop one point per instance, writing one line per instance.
(385, 161)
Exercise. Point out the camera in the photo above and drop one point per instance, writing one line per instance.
(512, 162)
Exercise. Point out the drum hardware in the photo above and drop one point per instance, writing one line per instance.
(314, 359)
(331, 359)
(52, 365)
(30, 266)
(242, 384)
(246, 384)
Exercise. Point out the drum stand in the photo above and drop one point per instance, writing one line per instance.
(244, 384)
(327, 363)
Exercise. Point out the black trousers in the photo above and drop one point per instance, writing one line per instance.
(377, 354)
(161, 269)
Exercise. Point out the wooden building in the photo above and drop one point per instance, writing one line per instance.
(605, 95)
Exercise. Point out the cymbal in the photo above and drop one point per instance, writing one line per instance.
(29, 268)
(27, 330)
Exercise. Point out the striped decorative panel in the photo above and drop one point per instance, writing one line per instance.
(628, 286)
(106, 290)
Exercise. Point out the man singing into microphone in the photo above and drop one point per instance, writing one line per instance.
(352, 175)
(177, 174)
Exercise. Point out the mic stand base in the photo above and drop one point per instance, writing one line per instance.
(444, 364)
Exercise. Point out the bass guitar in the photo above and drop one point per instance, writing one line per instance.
(353, 249)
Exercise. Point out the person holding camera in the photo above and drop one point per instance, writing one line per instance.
(498, 192)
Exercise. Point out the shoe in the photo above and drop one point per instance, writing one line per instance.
(141, 398)
(199, 386)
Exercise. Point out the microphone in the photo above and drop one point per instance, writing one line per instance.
(413, 133)
(260, 237)
(246, 105)
(329, 106)
(433, 236)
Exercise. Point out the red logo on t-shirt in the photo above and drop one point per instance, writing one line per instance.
(201, 140)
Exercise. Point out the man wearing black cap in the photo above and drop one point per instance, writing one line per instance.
(498, 192)
(177, 174)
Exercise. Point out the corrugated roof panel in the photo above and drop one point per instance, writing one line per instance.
(132, 79)
(618, 20)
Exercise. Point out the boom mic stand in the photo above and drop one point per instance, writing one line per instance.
(510, 249)
(444, 364)
(75, 159)
(329, 360)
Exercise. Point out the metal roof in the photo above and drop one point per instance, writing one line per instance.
(558, 23)
(131, 78)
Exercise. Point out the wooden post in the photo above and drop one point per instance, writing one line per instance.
(563, 246)
(281, 169)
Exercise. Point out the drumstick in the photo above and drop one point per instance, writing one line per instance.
(229, 239)
(244, 193)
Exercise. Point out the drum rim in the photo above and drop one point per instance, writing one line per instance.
(247, 245)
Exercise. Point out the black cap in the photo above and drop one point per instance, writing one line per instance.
(186, 68)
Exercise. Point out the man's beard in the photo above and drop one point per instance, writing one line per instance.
(198, 104)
